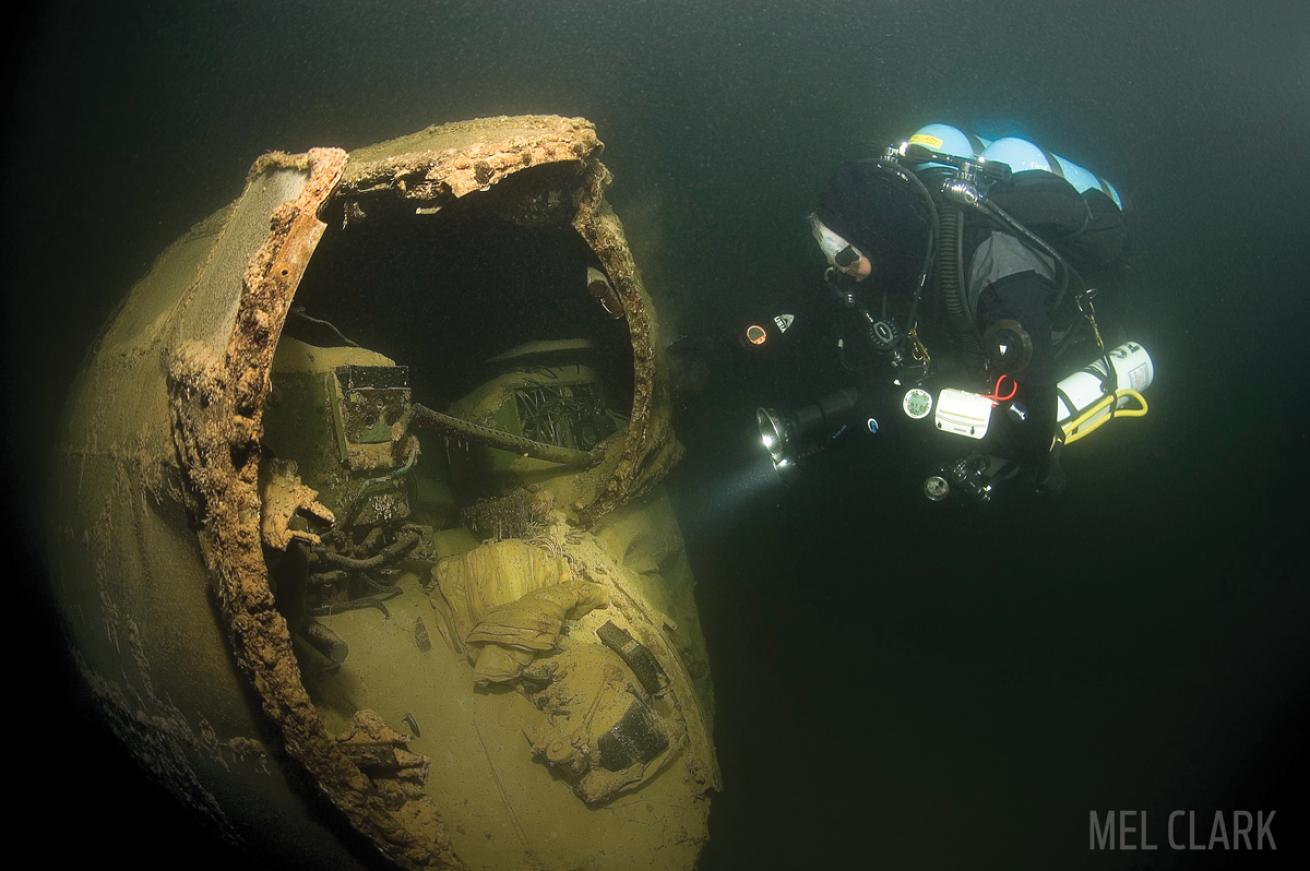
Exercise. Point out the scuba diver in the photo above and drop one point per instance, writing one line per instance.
(963, 265)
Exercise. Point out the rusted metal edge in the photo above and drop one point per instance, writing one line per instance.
(421, 171)
(649, 449)
(216, 406)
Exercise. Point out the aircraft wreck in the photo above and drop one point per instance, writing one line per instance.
(360, 535)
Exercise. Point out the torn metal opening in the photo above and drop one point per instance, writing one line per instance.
(243, 442)
(250, 517)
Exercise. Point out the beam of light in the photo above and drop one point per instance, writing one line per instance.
(718, 502)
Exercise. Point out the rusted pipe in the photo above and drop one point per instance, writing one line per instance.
(497, 438)
(326, 642)
(398, 548)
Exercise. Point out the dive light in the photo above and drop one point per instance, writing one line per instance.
(789, 436)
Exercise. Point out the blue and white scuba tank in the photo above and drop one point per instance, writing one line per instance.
(950, 140)
(1019, 154)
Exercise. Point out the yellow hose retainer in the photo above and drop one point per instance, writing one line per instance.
(1084, 425)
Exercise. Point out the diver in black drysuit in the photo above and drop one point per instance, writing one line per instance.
(1014, 307)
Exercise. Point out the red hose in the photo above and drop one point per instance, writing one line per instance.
(996, 397)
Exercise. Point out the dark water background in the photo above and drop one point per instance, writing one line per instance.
(1141, 643)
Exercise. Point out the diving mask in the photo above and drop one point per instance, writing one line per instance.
(839, 253)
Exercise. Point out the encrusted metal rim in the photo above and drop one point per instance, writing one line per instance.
(217, 406)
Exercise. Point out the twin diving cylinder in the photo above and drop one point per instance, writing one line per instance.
(1019, 154)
